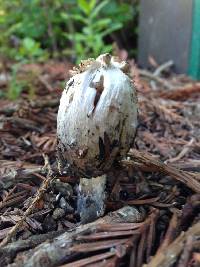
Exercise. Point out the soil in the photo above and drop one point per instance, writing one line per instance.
(159, 180)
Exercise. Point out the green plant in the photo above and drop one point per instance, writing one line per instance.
(19, 83)
(30, 49)
(22, 28)
(15, 86)
(36, 29)
(89, 41)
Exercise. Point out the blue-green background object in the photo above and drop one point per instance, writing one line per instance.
(194, 63)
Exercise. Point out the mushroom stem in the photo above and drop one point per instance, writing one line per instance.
(91, 198)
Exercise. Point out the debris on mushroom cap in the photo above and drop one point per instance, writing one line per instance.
(97, 116)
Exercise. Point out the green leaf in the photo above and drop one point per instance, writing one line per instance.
(92, 4)
(14, 91)
(115, 27)
(97, 9)
(84, 6)
(28, 43)
(64, 15)
(101, 24)
(79, 17)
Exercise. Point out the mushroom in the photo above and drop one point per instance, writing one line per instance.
(97, 117)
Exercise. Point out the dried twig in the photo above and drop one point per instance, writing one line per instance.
(167, 257)
(8, 252)
(12, 107)
(45, 83)
(189, 179)
(159, 80)
(163, 67)
(183, 152)
(22, 123)
(181, 93)
(171, 232)
(13, 199)
(183, 261)
(90, 260)
(13, 170)
(68, 244)
(151, 234)
(38, 196)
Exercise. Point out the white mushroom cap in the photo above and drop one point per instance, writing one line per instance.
(97, 117)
